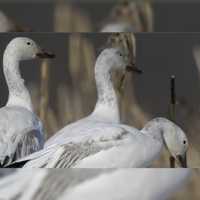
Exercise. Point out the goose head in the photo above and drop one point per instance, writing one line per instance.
(23, 48)
(116, 59)
(172, 136)
(177, 144)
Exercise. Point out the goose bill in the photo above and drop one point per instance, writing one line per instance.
(182, 160)
(45, 54)
(133, 68)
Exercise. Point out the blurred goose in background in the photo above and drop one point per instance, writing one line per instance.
(130, 16)
(20, 129)
(83, 184)
(8, 25)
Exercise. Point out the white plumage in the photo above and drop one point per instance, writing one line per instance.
(20, 130)
(83, 184)
(99, 140)
(104, 145)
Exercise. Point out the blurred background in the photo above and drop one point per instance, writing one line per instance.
(88, 15)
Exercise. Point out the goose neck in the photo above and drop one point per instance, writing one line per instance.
(107, 102)
(18, 93)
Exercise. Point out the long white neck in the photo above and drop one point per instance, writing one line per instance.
(106, 108)
(18, 93)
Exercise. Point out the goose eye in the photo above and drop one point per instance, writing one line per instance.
(184, 141)
(28, 43)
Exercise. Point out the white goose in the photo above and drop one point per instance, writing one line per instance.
(106, 109)
(100, 141)
(20, 129)
(82, 184)
(113, 146)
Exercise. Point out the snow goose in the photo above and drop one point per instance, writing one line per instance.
(106, 145)
(20, 129)
(107, 108)
(94, 184)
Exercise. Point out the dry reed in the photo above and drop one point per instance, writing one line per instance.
(138, 14)
(44, 90)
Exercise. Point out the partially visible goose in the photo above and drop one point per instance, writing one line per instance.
(129, 184)
(82, 184)
(20, 129)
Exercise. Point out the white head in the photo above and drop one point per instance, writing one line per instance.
(177, 144)
(22, 48)
(116, 59)
(173, 136)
